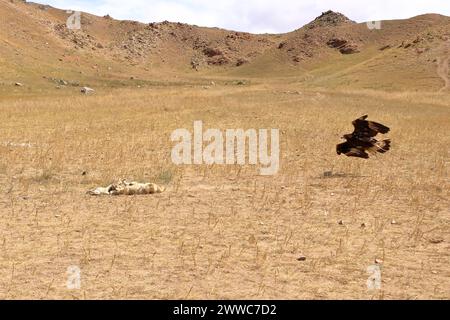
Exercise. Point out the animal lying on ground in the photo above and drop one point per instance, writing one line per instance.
(362, 140)
(124, 187)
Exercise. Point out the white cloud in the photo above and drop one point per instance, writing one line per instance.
(253, 15)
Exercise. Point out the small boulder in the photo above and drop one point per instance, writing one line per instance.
(388, 46)
(328, 174)
(87, 90)
(241, 61)
(349, 49)
(282, 45)
(378, 261)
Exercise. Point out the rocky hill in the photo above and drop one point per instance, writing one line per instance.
(332, 50)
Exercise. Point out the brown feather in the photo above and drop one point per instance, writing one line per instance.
(368, 129)
(358, 153)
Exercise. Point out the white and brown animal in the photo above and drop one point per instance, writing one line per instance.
(127, 188)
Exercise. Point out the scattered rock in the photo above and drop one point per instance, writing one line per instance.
(218, 60)
(210, 52)
(421, 50)
(350, 49)
(241, 62)
(328, 174)
(388, 46)
(43, 7)
(379, 261)
(436, 240)
(62, 82)
(195, 64)
(301, 258)
(87, 90)
(417, 40)
(282, 45)
(341, 222)
(18, 84)
(293, 92)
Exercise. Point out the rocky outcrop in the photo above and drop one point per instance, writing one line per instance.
(329, 19)
(344, 46)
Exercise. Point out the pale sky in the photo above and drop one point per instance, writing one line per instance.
(256, 16)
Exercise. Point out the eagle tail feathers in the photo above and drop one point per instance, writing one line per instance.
(381, 146)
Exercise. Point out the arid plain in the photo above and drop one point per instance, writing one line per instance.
(224, 231)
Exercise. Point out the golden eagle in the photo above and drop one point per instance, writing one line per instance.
(363, 139)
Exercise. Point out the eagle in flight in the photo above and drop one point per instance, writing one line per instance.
(362, 140)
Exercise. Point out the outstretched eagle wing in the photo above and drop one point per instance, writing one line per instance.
(359, 153)
(351, 151)
(368, 129)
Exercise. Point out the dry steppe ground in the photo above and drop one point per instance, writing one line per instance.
(223, 232)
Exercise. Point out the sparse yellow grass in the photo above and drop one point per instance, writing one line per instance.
(223, 231)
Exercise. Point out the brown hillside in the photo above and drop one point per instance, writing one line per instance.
(332, 50)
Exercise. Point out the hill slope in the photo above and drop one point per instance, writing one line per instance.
(333, 51)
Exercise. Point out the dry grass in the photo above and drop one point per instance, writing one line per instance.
(223, 231)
